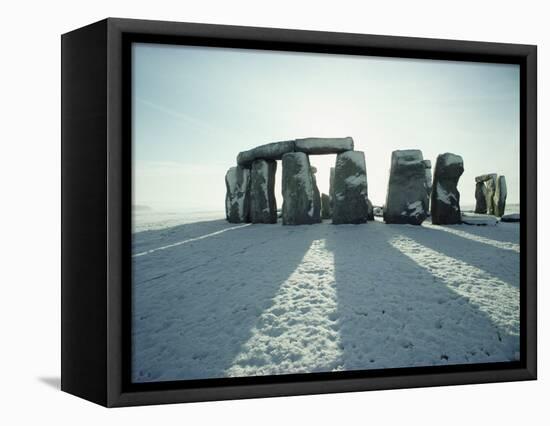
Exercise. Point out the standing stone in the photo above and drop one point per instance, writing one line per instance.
(491, 187)
(237, 204)
(370, 210)
(407, 197)
(331, 189)
(481, 198)
(298, 191)
(316, 194)
(326, 210)
(499, 200)
(350, 188)
(490, 183)
(445, 196)
(428, 170)
(263, 205)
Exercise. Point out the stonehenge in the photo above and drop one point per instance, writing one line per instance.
(491, 194)
(413, 193)
(350, 188)
(407, 196)
(250, 194)
(237, 183)
(263, 206)
(445, 198)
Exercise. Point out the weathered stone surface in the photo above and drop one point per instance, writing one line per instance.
(370, 210)
(428, 171)
(499, 199)
(320, 146)
(428, 183)
(491, 187)
(445, 206)
(407, 197)
(350, 188)
(276, 150)
(331, 189)
(490, 183)
(326, 210)
(298, 191)
(237, 204)
(263, 206)
(481, 198)
(270, 151)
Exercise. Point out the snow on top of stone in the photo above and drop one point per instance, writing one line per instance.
(479, 219)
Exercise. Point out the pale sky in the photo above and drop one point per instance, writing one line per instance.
(195, 108)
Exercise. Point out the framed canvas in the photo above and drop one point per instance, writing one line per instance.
(254, 212)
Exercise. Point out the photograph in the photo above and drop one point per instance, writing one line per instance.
(300, 212)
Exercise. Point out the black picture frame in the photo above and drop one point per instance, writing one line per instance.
(96, 211)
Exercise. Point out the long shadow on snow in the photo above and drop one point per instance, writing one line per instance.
(394, 313)
(488, 258)
(194, 305)
(503, 232)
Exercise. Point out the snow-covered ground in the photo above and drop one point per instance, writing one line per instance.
(150, 220)
(213, 299)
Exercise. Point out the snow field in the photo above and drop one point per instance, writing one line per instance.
(269, 299)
